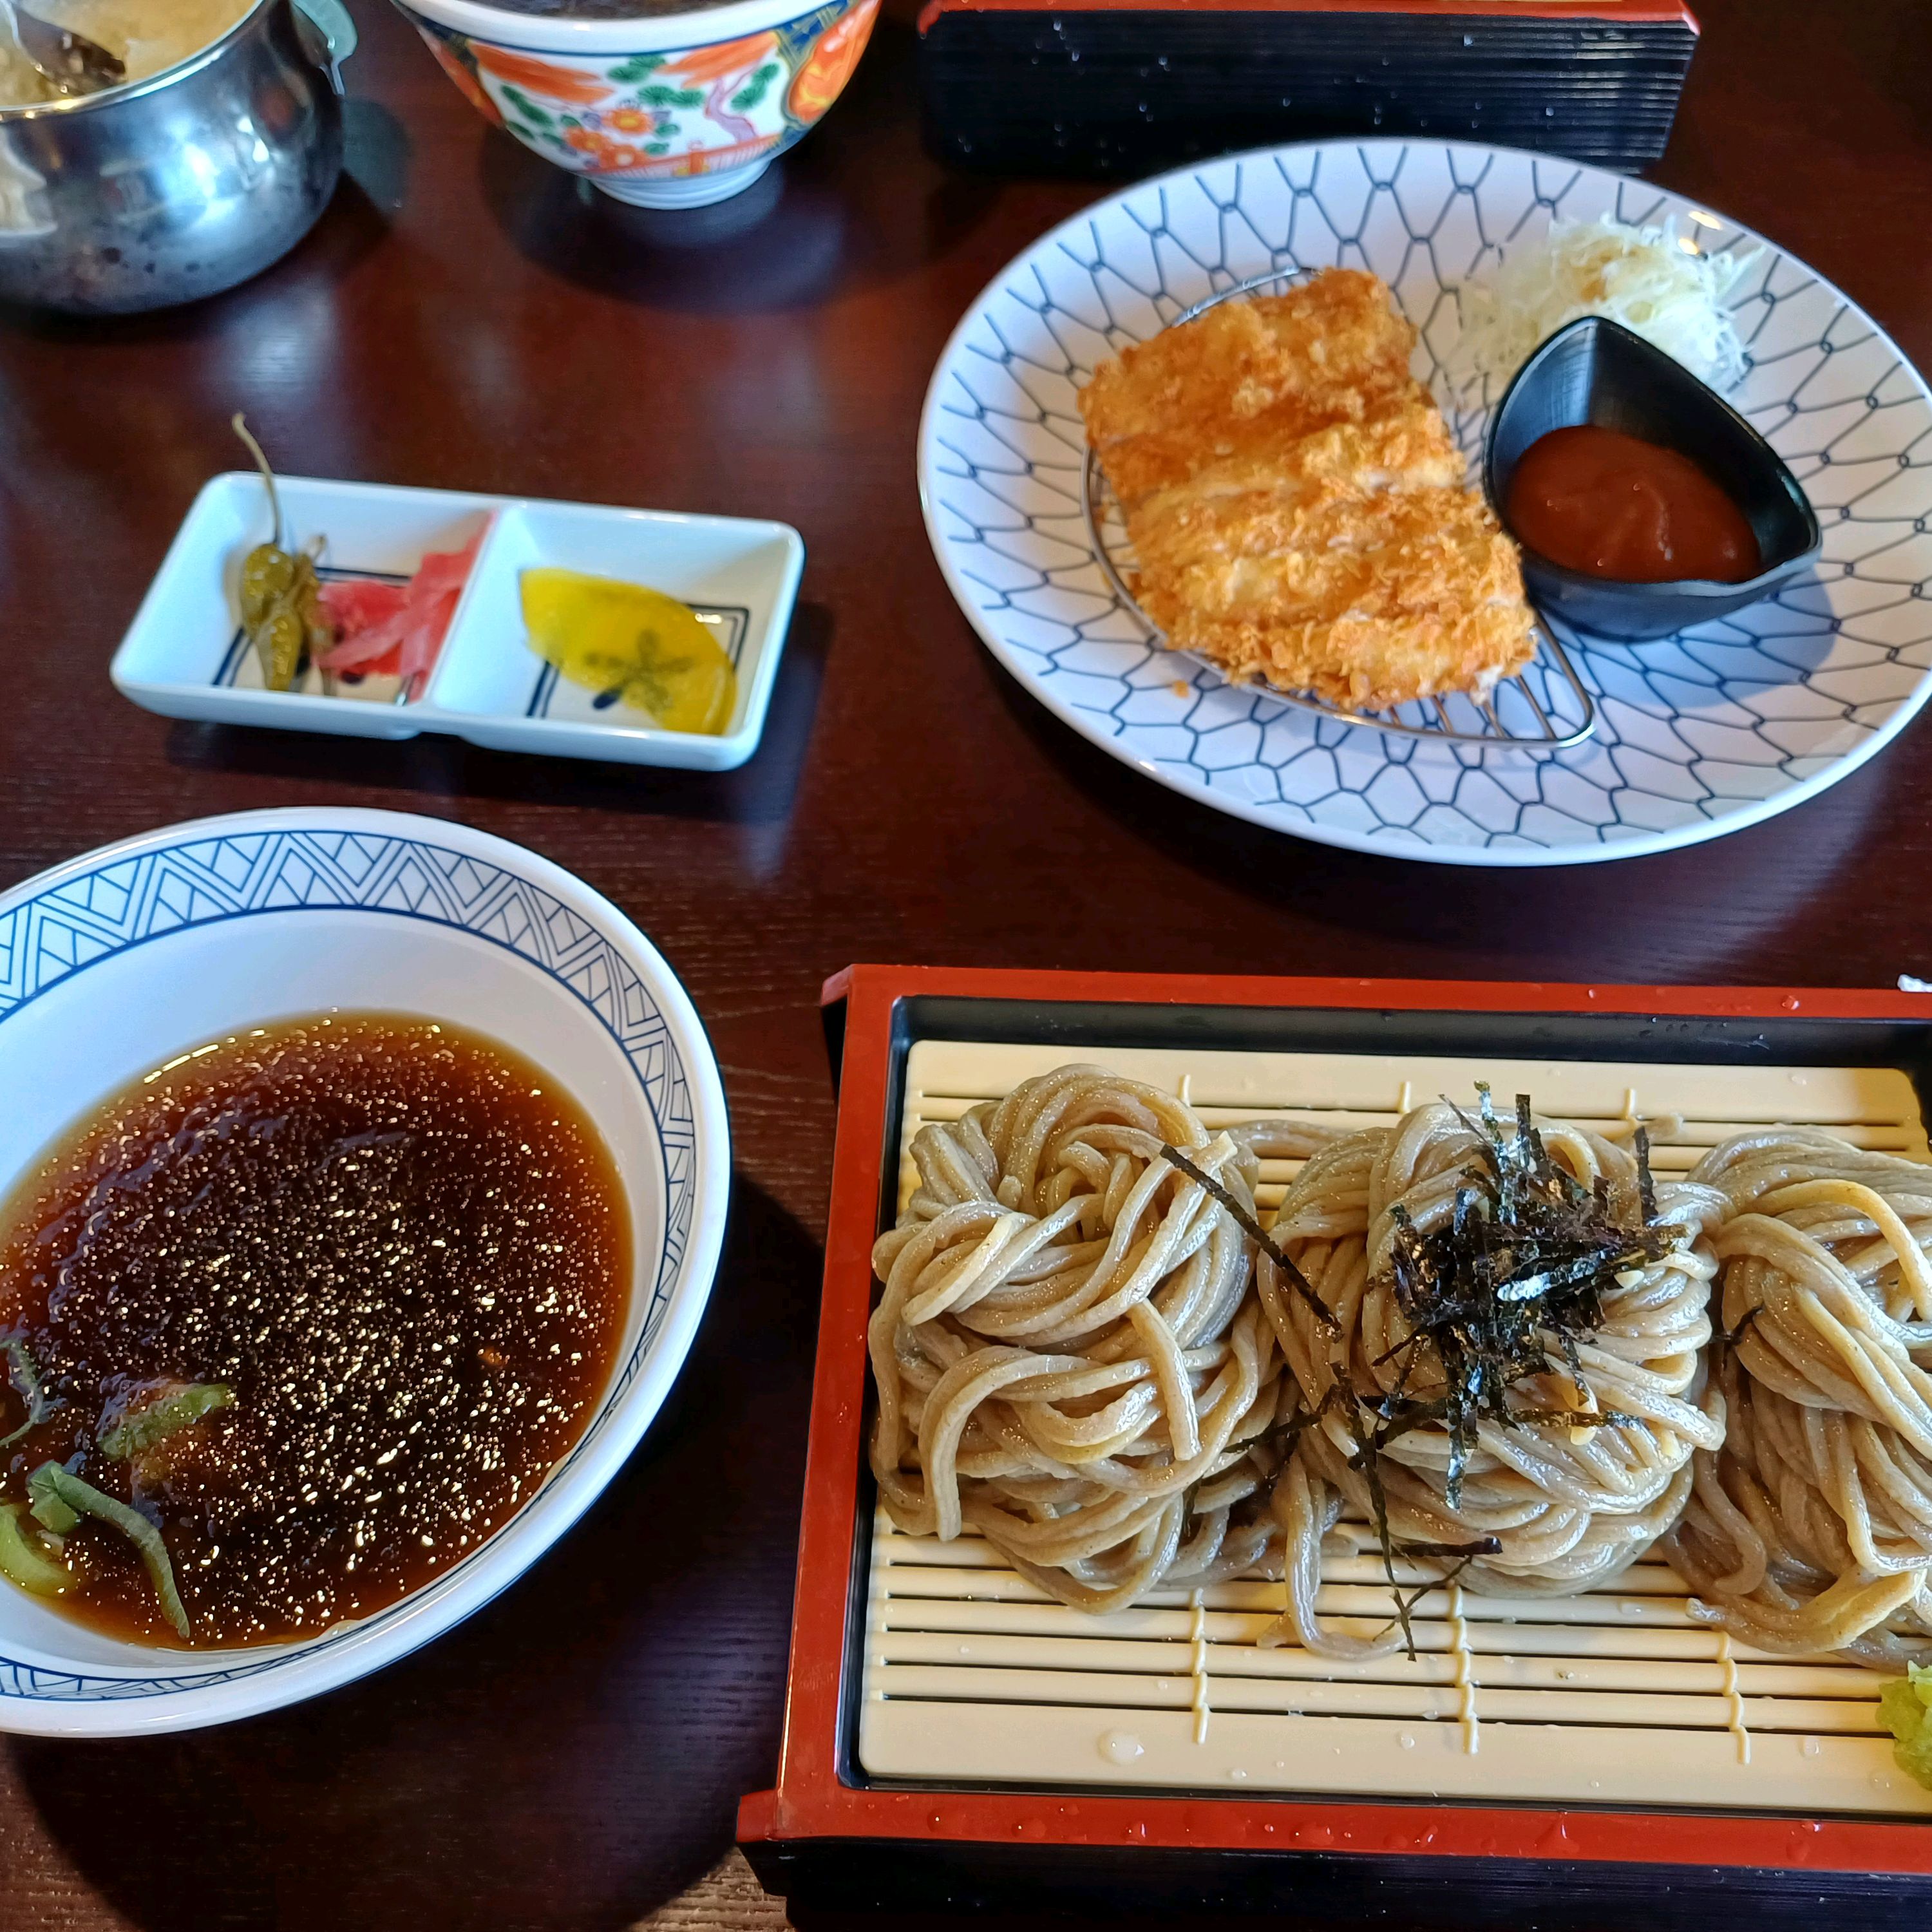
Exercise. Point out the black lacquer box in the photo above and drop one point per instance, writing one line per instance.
(1121, 88)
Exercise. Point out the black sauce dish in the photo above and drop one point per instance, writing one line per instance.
(1594, 371)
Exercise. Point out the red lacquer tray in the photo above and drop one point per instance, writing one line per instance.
(828, 1833)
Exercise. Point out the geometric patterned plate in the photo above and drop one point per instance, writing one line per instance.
(1697, 735)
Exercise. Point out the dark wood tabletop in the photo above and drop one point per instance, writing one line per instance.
(464, 317)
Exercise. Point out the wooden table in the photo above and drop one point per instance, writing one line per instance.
(571, 1758)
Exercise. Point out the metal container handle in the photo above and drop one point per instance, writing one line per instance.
(331, 19)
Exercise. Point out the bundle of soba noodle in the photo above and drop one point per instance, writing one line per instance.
(1565, 1471)
(1069, 1354)
(1077, 1355)
(1811, 1530)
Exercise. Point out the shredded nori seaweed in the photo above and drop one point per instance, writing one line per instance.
(1504, 1290)
(1515, 1278)
(1729, 1338)
(1259, 1235)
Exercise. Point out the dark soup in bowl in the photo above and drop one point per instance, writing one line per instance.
(296, 1322)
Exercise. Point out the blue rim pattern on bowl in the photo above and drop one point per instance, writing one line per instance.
(126, 902)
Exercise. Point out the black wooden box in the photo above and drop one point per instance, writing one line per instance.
(1121, 88)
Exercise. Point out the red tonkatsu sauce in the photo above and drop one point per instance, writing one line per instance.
(1608, 505)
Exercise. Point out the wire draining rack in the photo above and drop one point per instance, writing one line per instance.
(1515, 714)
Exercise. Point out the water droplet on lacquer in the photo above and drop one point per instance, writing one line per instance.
(1810, 1748)
(1120, 1746)
(1407, 1740)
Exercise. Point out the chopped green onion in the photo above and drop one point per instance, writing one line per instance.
(61, 1496)
(25, 1377)
(24, 1562)
(175, 1409)
(50, 1510)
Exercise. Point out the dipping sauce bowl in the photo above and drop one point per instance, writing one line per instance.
(1596, 371)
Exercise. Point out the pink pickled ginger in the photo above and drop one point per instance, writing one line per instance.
(396, 630)
(353, 603)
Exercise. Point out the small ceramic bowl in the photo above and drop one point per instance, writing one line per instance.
(674, 109)
(118, 960)
(1595, 371)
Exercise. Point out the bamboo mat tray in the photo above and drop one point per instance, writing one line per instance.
(971, 1675)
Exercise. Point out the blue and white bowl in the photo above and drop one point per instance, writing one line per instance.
(114, 963)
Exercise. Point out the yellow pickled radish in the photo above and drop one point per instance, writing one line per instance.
(610, 636)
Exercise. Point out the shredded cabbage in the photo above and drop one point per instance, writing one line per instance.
(1653, 283)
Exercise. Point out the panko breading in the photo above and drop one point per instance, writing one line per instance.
(1297, 504)
(1263, 371)
(1366, 602)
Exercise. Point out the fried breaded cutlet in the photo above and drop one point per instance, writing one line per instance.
(1297, 505)
(1261, 372)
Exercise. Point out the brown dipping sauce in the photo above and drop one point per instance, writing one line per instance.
(1608, 505)
(406, 1250)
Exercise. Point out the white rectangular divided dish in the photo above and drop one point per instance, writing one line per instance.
(972, 1675)
(184, 656)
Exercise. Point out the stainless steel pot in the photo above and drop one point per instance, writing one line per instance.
(182, 184)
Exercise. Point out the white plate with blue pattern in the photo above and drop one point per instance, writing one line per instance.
(1697, 735)
(118, 961)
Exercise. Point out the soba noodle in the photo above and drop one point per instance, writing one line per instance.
(1811, 1530)
(1077, 1355)
(1069, 1354)
(1082, 1354)
(1571, 1507)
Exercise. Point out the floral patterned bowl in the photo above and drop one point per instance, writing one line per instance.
(671, 110)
